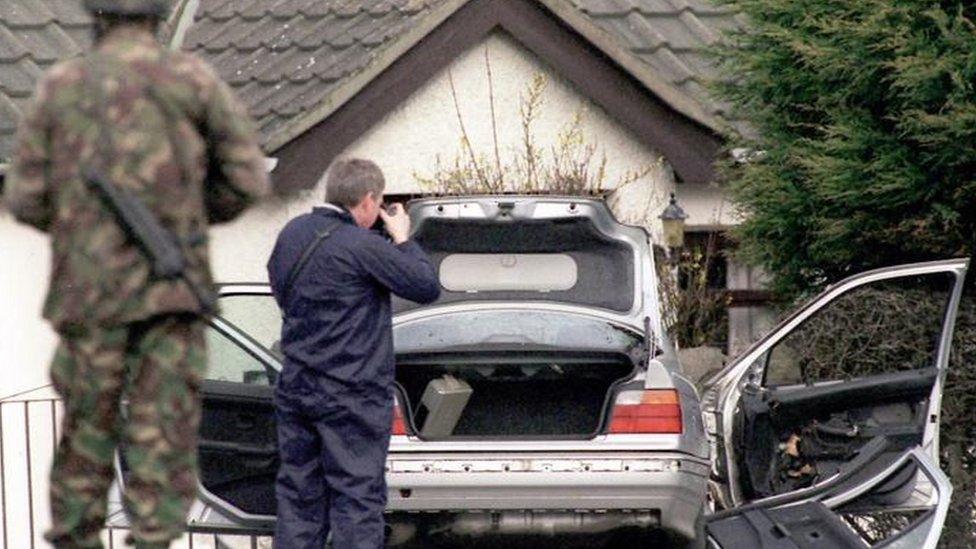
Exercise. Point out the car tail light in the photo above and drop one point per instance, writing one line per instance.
(399, 422)
(649, 411)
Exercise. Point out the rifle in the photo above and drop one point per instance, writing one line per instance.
(148, 234)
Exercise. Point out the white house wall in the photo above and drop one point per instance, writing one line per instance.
(27, 343)
(425, 129)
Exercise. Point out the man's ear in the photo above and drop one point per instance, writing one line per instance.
(362, 202)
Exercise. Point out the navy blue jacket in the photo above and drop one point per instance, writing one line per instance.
(337, 318)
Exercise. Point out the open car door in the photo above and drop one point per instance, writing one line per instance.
(825, 432)
(238, 449)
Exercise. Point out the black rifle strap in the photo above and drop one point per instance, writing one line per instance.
(307, 253)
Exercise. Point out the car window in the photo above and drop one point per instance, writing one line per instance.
(880, 327)
(228, 361)
(258, 316)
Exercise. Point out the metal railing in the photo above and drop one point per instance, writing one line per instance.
(29, 432)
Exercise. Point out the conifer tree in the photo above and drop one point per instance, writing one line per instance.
(860, 153)
(864, 116)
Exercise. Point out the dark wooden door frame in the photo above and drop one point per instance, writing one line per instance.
(690, 147)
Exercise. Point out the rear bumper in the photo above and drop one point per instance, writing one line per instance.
(542, 493)
(672, 487)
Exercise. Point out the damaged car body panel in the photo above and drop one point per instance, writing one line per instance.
(859, 370)
(840, 514)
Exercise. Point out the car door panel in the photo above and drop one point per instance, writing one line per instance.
(237, 445)
(824, 426)
(798, 411)
(834, 515)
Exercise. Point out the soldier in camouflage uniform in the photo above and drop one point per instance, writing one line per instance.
(123, 333)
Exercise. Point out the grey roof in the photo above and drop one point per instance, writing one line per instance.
(671, 38)
(34, 34)
(294, 62)
(287, 58)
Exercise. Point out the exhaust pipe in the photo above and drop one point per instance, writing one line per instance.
(549, 523)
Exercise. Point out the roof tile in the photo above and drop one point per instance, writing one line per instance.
(680, 37)
(297, 101)
(239, 68)
(286, 57)
(269, 32)
(700, 7)
(82, 36)
(69, 13)
(11, 48)
(670, 36)
(47, 44)
(25, 13)
(304, 8)
(669, 65)
(638, 34)
(623, 8)
(215, 10)
(706, 35)
(9, 115)
(19, 79)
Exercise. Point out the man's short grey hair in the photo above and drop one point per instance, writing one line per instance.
(350, 180)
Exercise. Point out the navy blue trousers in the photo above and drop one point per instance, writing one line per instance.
(333, 457)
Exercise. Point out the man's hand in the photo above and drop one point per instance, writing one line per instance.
(397, 222)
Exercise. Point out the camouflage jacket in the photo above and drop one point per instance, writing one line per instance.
(97, 275)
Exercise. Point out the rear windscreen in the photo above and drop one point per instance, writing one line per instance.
(604, 267)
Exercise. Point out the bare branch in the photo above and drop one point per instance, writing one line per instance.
(465, 141)
(499, 174)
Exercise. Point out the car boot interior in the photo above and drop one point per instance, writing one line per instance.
(517, 393)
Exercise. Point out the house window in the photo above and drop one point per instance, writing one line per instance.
(707, 250)
(695, 294)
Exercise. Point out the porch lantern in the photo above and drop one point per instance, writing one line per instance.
(673, 220)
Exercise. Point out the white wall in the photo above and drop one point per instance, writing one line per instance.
(27, 342)
(425, 128)
(406, 142)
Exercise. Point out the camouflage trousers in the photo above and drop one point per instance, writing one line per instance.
(157, 366)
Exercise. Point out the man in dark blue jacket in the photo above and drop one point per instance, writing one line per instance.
(334, 398)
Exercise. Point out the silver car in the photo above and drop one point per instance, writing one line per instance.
(540, 395)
